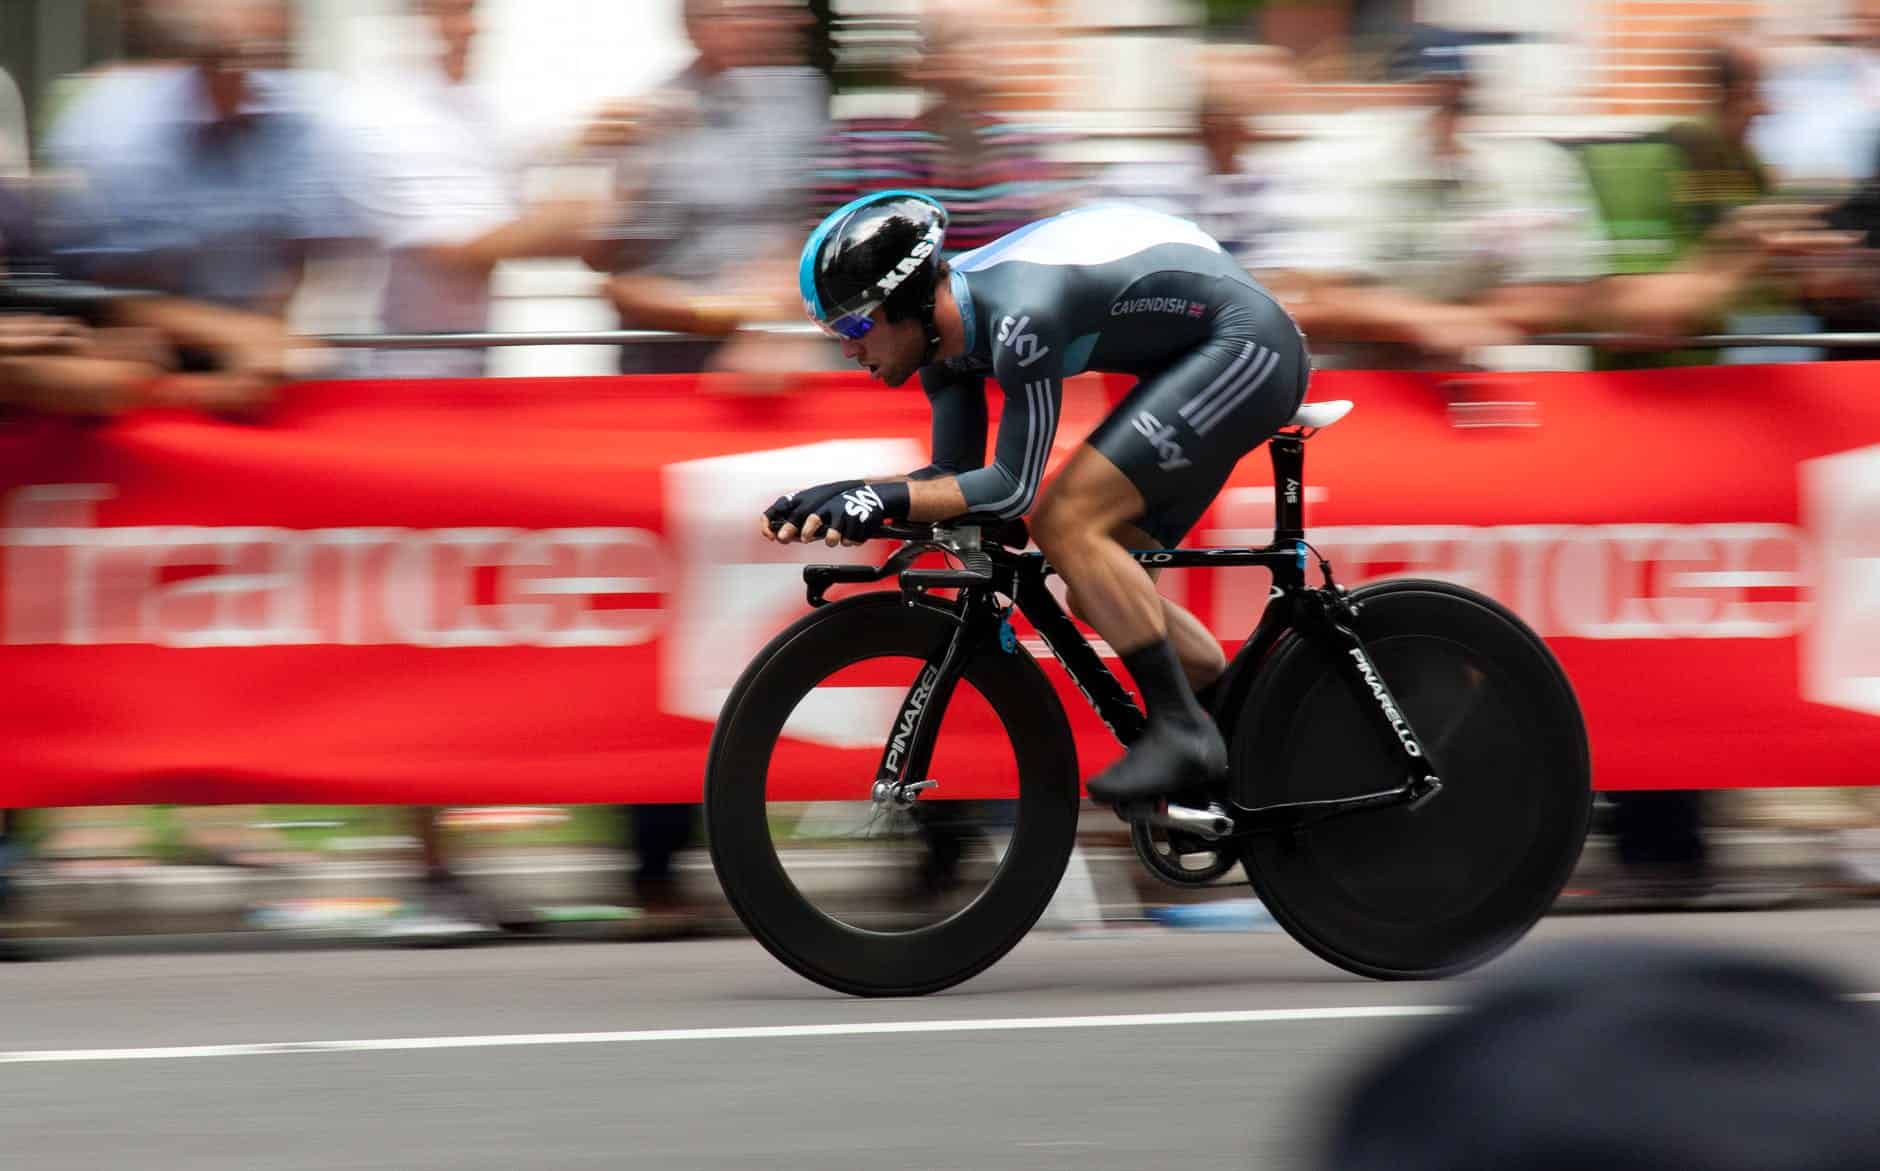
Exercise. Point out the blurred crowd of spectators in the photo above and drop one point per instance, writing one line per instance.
(203, 179)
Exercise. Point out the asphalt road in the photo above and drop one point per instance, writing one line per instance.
(591, 1055)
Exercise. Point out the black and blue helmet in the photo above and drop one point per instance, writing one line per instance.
(881, 249)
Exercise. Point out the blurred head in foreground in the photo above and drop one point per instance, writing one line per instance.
(1621, 1057)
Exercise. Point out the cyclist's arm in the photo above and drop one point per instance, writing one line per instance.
(958, 403)
(931, 500)
(1008, 486)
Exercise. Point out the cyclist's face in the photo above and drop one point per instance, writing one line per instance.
(890, 351)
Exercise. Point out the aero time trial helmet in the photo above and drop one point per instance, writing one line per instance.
(881, 249)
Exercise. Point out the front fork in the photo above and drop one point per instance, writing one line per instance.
(901, 777)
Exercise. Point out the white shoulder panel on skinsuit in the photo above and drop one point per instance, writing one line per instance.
(1097, 234)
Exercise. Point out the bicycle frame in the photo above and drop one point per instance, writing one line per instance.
(1322, 613)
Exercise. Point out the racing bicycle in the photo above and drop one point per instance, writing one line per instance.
(1408, 788)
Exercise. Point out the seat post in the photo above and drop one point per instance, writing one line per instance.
(1289, 463)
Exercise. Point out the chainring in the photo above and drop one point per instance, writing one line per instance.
(1164, 852)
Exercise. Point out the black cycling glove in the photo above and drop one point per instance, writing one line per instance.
(797, 507)
(858, 513)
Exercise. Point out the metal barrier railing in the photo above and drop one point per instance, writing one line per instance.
(475, 341)
(616, 337)
(1712, 341)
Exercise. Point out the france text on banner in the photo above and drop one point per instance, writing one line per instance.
(541, 591)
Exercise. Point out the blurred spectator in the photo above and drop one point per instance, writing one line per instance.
(65, 351)
(1698, 241)
(48, 364)
(1424, 241)
(1826, 126)
(991, 171)
(1216, 181)
(64, 348)
(711, 175)
(205, 178)
(1697, 236)
(14, 158)
(1845, 291)
(1823, 125)
(710, 172)
(442, 187)
(1626, 1057)
(442, 190)
(52, 361)
(10, 855)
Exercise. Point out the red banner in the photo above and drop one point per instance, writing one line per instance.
(540, 591)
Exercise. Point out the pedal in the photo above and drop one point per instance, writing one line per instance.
(1211, 823)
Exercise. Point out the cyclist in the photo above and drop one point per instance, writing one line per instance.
(1106, 287)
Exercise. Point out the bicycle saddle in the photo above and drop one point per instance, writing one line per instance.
(1313, 416)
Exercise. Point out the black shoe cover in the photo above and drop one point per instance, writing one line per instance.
(1168, 758)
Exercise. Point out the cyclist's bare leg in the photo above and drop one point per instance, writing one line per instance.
(1200, 652)
(1076, 526)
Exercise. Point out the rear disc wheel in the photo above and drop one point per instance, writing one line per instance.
(1415, 893)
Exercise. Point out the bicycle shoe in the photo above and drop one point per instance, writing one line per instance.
(1179, 747)
(1169, 757)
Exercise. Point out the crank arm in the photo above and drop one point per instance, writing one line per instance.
(1293, 815)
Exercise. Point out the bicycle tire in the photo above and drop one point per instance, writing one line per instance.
(1429, 892)
(836, 954)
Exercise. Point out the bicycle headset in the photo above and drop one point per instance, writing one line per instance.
(879, 251)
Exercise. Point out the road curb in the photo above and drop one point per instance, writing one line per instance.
(192, 908)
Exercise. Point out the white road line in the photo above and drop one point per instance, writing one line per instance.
(748, 1033)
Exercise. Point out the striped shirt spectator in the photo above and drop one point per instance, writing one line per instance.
(992, 174)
